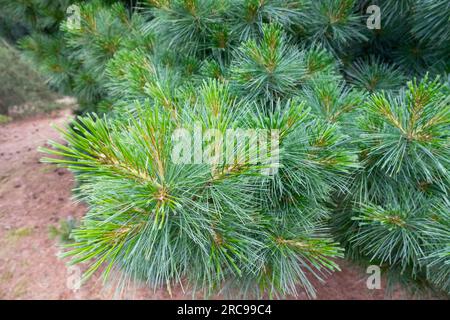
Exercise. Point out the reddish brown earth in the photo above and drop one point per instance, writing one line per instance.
(35, 196)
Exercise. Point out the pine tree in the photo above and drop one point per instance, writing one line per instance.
(400, 197)
(362, 120)
(74, 58)
(21, 85)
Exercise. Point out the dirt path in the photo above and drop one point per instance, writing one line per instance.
(35, 196)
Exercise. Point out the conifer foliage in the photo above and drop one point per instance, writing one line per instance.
(360, 117)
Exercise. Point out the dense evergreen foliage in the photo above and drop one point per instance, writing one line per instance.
(362, 119)
(23, 90)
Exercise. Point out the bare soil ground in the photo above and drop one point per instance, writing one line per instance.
(35, 196)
